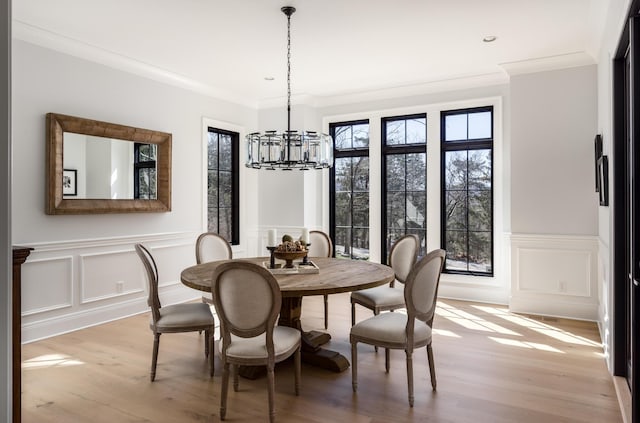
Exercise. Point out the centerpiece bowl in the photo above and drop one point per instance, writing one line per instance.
(289, 256)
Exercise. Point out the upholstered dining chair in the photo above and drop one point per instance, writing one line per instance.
(212, 247)
(405, 331)
(174, 318)
(321, 246)
(247, 299)
(389, 297)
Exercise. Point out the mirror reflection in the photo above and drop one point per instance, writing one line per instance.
(108, 168)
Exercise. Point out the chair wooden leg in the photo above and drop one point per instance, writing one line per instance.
(353, 314)
(211, 353)
(296, 360)
(224, 389)
(154, 358)
(271, 388)
(236, 380)
(432, 368)
(326, 311)
(207, 334)
(386, 360)
(354, 366)
(410, 377)
(375, 313)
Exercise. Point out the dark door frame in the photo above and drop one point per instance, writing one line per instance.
(623, 315)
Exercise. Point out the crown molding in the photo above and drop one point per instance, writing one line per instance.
(412, 90)
(543, 64)
(47, 39)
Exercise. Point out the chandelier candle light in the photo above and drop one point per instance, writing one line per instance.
(289, 150)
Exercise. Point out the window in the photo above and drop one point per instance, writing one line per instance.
(223, 184)
(404, 179)
(144, 171)
(467, 190)
(349, 215)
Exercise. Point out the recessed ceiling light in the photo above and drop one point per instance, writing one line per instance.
(489, 38)
(269, 78)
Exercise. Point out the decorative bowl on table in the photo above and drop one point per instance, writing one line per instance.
(289, 256)
(290, 250)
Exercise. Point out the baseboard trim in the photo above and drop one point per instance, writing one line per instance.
(624, 398)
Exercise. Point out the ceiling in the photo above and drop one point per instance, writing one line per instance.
(339, 47)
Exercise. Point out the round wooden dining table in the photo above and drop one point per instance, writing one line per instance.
(334, 276)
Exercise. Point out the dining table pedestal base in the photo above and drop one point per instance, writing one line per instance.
(312, 352)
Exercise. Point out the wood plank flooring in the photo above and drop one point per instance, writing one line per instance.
(492, 366)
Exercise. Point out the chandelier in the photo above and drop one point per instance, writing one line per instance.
(289, 149)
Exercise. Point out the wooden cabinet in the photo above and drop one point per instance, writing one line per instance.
(20, 254)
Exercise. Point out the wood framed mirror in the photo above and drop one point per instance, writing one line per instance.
(99, 167)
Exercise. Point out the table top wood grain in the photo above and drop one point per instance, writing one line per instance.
(335, 276)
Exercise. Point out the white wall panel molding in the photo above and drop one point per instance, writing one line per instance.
(41, 247)
(47, 285)
(555, 275)
(73, 284)
(109, 274)
(33, 330)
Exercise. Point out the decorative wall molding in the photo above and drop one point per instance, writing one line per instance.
(99, 314)
(554, 275)
(70, 285)
(542, 64)
(55, 275)
(44, 38)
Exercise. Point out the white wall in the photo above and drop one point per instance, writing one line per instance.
(554, 205)
(553, 123)
(71, 279)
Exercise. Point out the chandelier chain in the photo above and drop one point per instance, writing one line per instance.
(288, 70)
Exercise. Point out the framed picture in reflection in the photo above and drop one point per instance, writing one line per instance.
(69, 182)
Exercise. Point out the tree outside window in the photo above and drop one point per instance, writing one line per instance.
(404, 170)
(467, 190)
(223, 184)
(144, 171)
(350, 190)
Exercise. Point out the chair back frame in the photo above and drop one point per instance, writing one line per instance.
(151, 268)
(201, 257)
(231, 274)
(325, 238)
(397, 261)
(421, 291)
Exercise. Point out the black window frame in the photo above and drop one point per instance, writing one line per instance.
(465, 145)
(338, 154)
(235, 182)
(393, 149)
(138, 165)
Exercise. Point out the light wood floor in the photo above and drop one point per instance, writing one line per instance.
(492, 366)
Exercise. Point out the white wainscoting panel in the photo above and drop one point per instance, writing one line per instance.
(110, 274)
(47, 285)
(554, 275)
(71, 285)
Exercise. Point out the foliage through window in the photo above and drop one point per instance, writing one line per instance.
(404, 179)
(223, 184)
(144, 171)
(467, 190)
(350, 190)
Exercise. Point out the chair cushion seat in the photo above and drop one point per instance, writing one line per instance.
(185, 316)
(380, 296)
(285, 339)
(390, 328)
